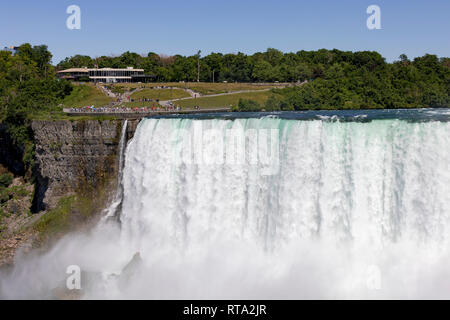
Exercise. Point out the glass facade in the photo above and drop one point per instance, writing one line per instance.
(107, 75)
(114, 75)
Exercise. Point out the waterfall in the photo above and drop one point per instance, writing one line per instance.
(268, 208)
(347, 202)
(364, 183)
(114, 207)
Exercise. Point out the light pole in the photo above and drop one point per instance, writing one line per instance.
(198, 65)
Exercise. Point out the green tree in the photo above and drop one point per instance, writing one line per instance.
(249, 105)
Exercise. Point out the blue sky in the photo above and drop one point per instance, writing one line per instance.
(179, 26)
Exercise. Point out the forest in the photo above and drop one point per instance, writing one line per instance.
(28, 86)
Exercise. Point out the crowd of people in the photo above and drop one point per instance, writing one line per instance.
(122, 109)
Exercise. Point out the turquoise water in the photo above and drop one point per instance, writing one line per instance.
(438, 114)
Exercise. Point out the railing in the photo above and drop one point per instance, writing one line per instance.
(107, 110)
(137, 112)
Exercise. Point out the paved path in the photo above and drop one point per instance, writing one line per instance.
(167, 102)
(125, 97)
(195, 95)
(106, 91)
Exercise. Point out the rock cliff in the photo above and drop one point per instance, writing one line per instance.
(73, 156)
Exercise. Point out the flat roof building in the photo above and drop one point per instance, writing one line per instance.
(106, 75)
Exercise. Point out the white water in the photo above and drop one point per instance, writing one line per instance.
(112, 209)
(355, 210)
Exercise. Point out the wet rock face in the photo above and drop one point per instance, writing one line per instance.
(73, 155)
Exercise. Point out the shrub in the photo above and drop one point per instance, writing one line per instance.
(4, 195)
(273, 103)
(5, 180)
(248, 105)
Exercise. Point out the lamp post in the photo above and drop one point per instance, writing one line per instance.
(198, 65)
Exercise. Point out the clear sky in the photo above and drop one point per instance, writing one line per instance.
(185, 26)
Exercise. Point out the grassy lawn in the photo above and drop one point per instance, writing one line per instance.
(214, 88)
(81, 96)
(203, 88)
(225, 100)
(85, 95)
(60, 115)
(161, 94)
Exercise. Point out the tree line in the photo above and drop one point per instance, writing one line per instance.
(336, 79)
(372, 83)
(28, 85)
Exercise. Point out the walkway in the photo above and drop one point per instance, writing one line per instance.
(198, 96)
(195, 95)
(129, 114)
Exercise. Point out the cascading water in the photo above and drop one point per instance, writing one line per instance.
(335, 210)
(114, 207)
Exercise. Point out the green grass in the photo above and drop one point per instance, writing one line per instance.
(15, 192)
(86, 95)
(82, 95)
(225, 100)
(56, 220)
(120, 89)
(4, 195)
(215, 88)
(204, 88)
(2, 226)
(60, 115)
(161, 94)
